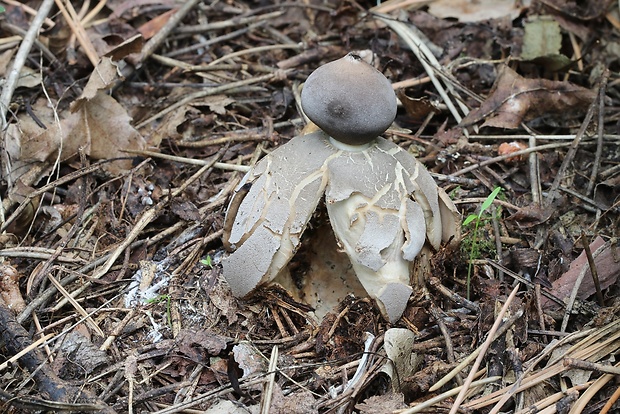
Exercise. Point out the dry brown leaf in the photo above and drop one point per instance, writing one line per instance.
(475, 11)
(28, 78)
(216, 103)
(515, 99)
(171, 125)
(199, 345)
(5, 60)
(102, 77)
(150, 28)
(607, 267)
(129, 46)
(27, 141)
(417, 108)
(380, 404)
(107, 127)
(299, 402)
(101, 127)
(531, 215)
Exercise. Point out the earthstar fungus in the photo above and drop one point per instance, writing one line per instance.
(384, 207)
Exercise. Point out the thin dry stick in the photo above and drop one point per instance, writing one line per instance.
(271, 378)
(72, 19)
(601, 126)
(535, 186)
(487, 343)
(593, 271)
(511, 155)
(258, 49)
(38, 253)
(610, 137)
(428, 61)
(591, 366)
(205, 93)
(570, 155)
(444, 396)
(436, 313)
(443, 381)
(408, 83)
(234, 137)
(575, 291)
(192, 161)
(20, 59)
(585, 398)
(160, 36)
(498, 241)
(612, 400)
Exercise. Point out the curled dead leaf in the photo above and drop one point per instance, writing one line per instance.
(515, 99)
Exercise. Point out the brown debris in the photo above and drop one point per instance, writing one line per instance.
(515, 99)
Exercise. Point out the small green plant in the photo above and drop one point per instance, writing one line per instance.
(207, 261)
(477, 219)
(163, 298)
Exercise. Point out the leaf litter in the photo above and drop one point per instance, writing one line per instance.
(120, 169)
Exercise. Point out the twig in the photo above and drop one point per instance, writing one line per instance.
(72, 19)
(20, 59)
(485, 346)
(591, 204)
(205, 93)
(156, 41)
(436, 313)
(575, 291)
(455, 297)
(498, 241)
(428, 61)
(191, 161)
(242, 21)
(601, 125)
(570, 137)
(570, 155)
(511, 155)
(593, 271)
(591, 366)
(444, 396)
(39, 253)
(497, 201)
(265, 403)
(257, 49)
(465, 362)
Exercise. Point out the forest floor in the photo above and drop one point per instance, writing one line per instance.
(128, 124)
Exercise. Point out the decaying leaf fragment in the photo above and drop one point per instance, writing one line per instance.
(515, 99)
